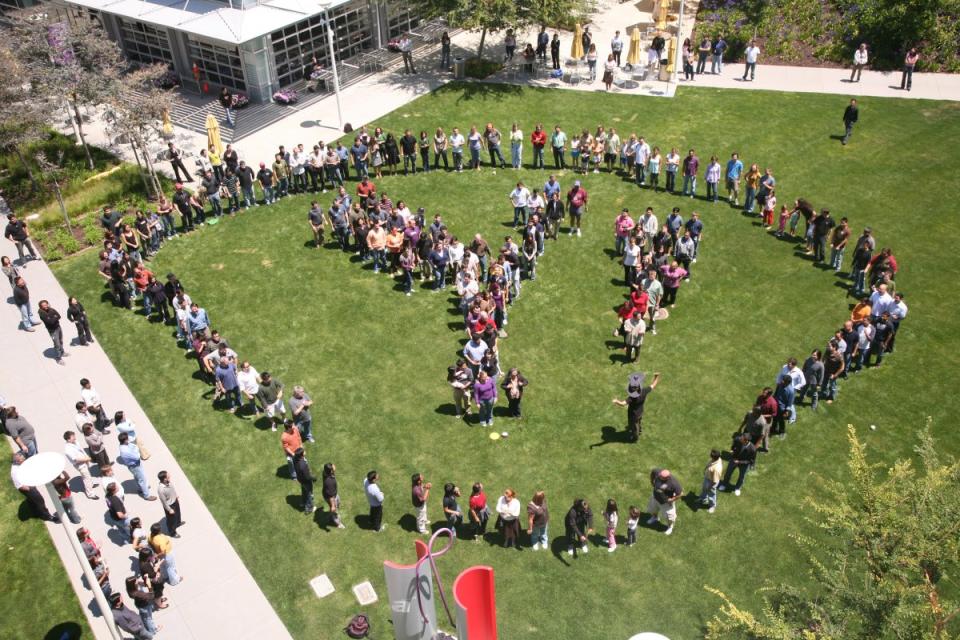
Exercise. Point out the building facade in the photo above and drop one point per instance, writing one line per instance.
(249, 46)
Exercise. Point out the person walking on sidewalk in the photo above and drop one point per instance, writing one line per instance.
(859, 62)
(81, 462)
(752, 53)
(850, 116)
(909, 64)
(406, 48)
(21, 298)
(171, 503)
(51, 320)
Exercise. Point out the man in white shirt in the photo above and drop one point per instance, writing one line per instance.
(78, 457)
(798, 380)
(898, 311)
(456, 148)
(616, 47)
(406, 48)
(298, 162)
(881, 302)
(32, 495)
(249, 380)
(92, 401)
(519, 198)
(648, 223)
(83, 416)
(752, 53)
(641, 154)
(859, 62)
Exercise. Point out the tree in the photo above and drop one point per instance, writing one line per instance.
(55, 176)
(899, 537)
(22, 120)
(135, 110)
(72, 61)
(476, 15)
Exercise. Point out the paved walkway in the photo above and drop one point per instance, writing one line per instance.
(218, 597)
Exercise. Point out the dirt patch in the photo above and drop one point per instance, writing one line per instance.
(266, 264)
(217, 267)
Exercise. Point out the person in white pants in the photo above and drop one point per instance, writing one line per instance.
(78, 457)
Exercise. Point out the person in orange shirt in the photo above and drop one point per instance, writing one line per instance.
(394, 241)
(141, 278)
(290, 440)
(860, 311)
(376, 241)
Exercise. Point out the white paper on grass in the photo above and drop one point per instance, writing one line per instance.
(322, 586)
(365, 593)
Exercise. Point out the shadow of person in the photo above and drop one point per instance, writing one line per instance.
(692, 500)
(408, 522)
(558, 546)
(612, 435)
(64, 631)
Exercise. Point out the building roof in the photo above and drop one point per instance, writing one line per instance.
(211, 19)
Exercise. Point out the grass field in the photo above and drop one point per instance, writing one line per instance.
(38, 601)
(375, 362)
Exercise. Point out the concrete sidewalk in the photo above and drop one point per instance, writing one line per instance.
(218, 598)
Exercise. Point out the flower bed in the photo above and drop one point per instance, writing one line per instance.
(286, 96)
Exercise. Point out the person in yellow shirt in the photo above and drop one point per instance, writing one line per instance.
(162, 545)
(281, 175)
(216, 162)
(860, 311)
(711, 480)
(376, 241)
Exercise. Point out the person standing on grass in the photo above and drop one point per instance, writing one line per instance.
(331, 494)
(611, 517)
(419, 494)
(838, 242)
(270, 395)
(226, 381)
(577, 524)
(32, 494)
(485, 396)
(508, 511)
(833, 367)
(691, 165)
(742, 456)
(451, 510)
(813, 377)
(654, 291)
(636, 398)
(850, 117)
(300, 404)
(734, 170)
(711, 481)
(513, 386)
(860, 57)
(290, 441)
(712, 178)
(460, 378)
(51, 320)
(663, 502)
(538, 518)
(375, 499)
(785, 395)
(577, 202)
(171, 503)
(306, 479)
(752, 54)
(673, 275)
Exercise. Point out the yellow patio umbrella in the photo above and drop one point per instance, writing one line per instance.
(662, 14)
(213, 134)
(671, 56)
(576, 51)
(167, 125)
(633, 56)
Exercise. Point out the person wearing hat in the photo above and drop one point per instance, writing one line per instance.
(577, 203)
(636, 397)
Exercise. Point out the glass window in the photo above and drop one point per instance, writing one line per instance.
(145, 43)
(220, 66)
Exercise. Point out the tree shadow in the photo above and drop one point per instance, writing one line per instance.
(471, 90)
(612, 435)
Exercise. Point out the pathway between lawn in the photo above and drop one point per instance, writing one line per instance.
(218, 597)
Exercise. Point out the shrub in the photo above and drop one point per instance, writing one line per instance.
(481, 68)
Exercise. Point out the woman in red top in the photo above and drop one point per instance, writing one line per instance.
(539, 140)
(479, 513)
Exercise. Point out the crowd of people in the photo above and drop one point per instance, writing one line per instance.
(86, 450)
(656, 258)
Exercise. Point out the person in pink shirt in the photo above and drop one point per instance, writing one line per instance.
(673, 274)
(622, 227)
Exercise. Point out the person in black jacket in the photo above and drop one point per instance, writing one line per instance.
(17, 232)
(331, 493)
(78, 316)
(21, 298)
(555, 50)
(554, 214)
(513, 385)
(850, 116)
(305, 478)
(181, 200)
(51, 320)
(578, 523)
(158, 299)
(743, 455)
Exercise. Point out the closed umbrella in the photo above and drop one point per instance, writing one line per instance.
(213, 134)
(662, 14)
(576, 51)
(167, 125)
(633, 57)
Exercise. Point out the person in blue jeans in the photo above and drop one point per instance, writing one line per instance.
(129, 457)
(832, 368)
(691, 165)
(716, 61)
(711, 481)
(743, 454)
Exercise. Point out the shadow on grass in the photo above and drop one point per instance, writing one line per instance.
(295, 503)
(283, 471)
(64, 631)
(408, 523)
(558, 546)
(692, 500)
(446, 409)
(472, 90)
(612, 435)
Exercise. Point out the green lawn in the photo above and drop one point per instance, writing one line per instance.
(375, 362)
(39, 601)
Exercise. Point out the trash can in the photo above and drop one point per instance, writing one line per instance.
(459, 68)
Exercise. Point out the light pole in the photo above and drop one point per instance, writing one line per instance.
(325, 5)
(678, 53)
(42, 469)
